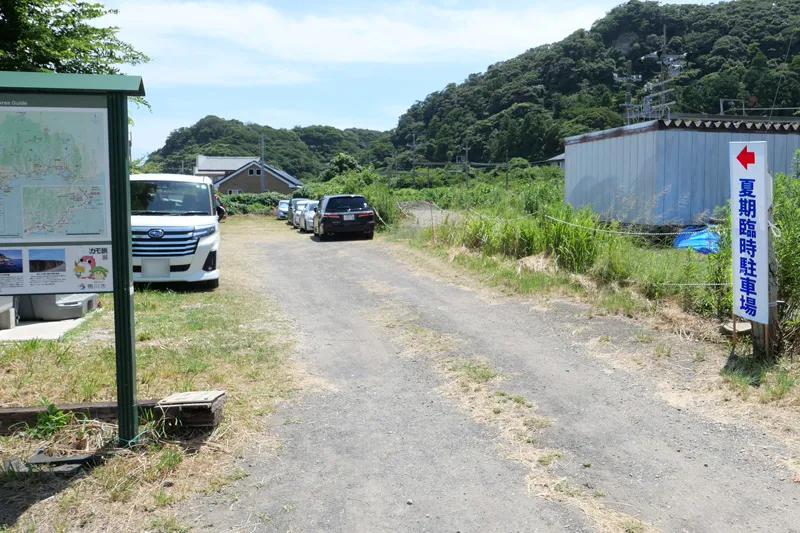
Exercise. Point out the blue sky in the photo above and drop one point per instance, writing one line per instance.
(349, 63)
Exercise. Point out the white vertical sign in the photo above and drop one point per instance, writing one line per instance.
(750, 199)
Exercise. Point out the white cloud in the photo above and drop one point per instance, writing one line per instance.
(381, 33)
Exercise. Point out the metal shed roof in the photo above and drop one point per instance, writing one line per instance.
(710, 124)
(78, 83)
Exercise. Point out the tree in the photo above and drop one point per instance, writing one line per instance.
(340, 164)
(59, 36)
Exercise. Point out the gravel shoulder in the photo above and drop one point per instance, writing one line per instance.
(375, 430)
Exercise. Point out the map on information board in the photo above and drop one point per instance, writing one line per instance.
(54, 175)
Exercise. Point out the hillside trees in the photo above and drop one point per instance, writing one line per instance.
(742, 49)
(61, 36)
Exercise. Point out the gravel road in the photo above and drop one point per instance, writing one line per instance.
(379, 447)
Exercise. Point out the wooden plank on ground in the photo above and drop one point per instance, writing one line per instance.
(194, 410)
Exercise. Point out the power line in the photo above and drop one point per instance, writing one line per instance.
(778, 88)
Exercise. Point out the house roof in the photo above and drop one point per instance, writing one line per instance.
(559, 157)
(221, 164)
(285, 177)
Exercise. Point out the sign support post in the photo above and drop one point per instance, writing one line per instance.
(127, 411)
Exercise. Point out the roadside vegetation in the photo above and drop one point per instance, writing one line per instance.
(228, 339)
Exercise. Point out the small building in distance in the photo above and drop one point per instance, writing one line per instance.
(557, 161)
(234, 175)
(667, 172)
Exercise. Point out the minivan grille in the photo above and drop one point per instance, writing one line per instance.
(176, 242)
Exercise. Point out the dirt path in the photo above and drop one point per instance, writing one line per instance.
(385, 442)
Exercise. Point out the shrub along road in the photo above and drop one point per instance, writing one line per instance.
(441, 407)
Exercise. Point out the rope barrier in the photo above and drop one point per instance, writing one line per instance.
(615, 232)
(679, 284)
(591, 228)
(379, 217)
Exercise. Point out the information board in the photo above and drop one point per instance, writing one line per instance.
(55, 216)
(751, 198)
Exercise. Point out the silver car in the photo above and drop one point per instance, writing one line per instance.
(283, 209)
(298, 210)
(307, 217)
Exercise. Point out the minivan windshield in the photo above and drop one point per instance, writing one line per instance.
(347, 204)
(170, 198)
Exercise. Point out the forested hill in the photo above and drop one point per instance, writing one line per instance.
(302, 151)
(524, 107)
(528, 104)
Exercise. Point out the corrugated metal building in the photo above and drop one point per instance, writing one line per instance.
(666, 171)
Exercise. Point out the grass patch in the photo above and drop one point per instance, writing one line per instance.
(633, 526)
(663, 350)
(548, 458)
(566, 487)
(168, 525)
(189, 340)
(536, 422)
(474, 371)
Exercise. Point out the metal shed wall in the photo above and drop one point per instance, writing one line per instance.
(654, 175)
(615, 174)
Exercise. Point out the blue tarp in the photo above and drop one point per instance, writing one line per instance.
(699, 238)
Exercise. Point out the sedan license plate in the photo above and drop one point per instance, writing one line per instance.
(349, 217)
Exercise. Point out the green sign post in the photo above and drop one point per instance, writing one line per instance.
(65, 199)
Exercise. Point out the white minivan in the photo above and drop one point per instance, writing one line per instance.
(175, 223)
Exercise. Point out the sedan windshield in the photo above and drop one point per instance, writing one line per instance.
(170, 198)
(283, 203)
(347, 204)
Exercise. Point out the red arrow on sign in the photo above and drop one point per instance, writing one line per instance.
(746, 158)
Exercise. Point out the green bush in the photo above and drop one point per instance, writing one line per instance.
(787, 247)
(251, 203)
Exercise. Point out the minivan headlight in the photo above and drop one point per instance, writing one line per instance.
(204, 231)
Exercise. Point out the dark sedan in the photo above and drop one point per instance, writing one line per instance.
(344, 214)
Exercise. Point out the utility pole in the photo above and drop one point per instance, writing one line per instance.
(262, 162)
(628, 80)
(393, 168)
(413, 160)
(507, 167)
(429, 177)
(664, 67)
(466, 164)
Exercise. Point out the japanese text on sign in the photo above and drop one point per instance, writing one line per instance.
(749, 186)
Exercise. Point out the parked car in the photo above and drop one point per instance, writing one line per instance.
(282, 210)
(298, 212)
(292, 206)
(344, 213)
(307, 218)
(175, 225)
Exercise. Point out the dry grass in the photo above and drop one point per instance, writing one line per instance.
(472, 382)
(231, 339)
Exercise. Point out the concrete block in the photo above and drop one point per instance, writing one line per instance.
(8, 318)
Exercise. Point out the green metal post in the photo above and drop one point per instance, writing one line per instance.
(123, 272)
